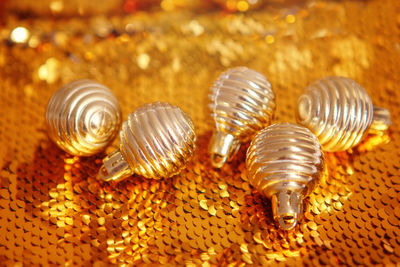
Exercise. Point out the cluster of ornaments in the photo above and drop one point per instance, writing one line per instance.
(284, 161)
(156, 140)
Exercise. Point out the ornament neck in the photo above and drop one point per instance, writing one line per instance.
(114, 168)
(381, 120)
(287, 208)
(223, 147)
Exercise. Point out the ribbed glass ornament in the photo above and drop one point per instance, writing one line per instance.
(242, 102)
(339, 112)
(83, 117)
(284, 163)
(156, 141)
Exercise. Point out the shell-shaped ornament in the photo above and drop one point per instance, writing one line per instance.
(339, 112)
(284, 163)
(242, 102)
(156, 141)
(82, 117)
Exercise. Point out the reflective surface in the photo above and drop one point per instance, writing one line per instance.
(339, 112)
(156, 141)
(285, 162)
(242, 102)
(53, 210)
(83, 117)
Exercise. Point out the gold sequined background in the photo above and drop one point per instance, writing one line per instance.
(52, 209)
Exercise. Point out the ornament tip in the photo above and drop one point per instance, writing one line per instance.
(218, 160)
(287, 221)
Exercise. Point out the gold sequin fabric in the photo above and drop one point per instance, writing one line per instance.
(53, 210)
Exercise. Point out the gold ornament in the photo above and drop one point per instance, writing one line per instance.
(156, 141)
(339, 112)
(285, 163)
(242, 103)
(82, 117)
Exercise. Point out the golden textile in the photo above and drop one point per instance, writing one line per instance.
(54, 211)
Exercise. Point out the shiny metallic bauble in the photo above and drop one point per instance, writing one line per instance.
(339, 112)
(156, 141)
(82, 117)
(242, 103)
(284, 163)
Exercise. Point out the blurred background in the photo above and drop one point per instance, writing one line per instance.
(107, 7)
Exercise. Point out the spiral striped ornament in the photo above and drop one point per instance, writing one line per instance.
(285, 162)
(242, 102)
(337, 110)
(156, 141)
(82, 117)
